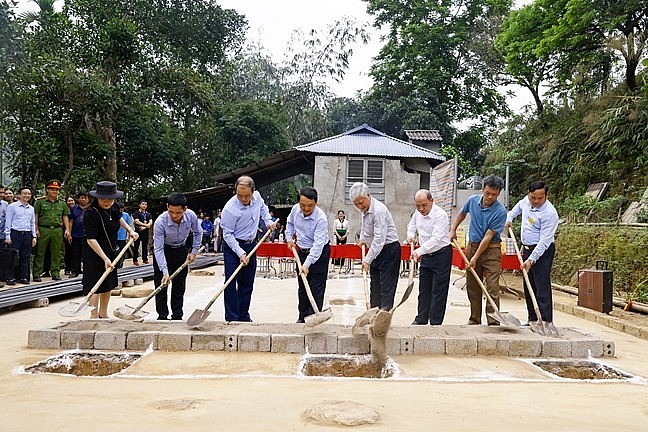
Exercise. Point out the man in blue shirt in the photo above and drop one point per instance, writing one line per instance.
(487, 219)
(539, 224)
(76, 218)
(307, 226)
(122, 234)
(170, 233)
(207, 227)
(240, 221)
(20, 233)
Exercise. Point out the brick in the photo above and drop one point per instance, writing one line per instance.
(587, 348)
(617, 324)
(44, 338)
(349, 344)
(254, 342)
(525, 348)
(208, 342)
(77, 339)
(108, 340)
(608, 349)
(580, 312)
(321, 343)
(556, 348)
(395, 345)
(461, 346)
(231, 341)
(429, 346)
(288, 343)
(142, 341)
(633, 330)
(492, 346)
(174, 341)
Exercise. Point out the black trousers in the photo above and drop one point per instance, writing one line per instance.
(144, 241)
(175, 257)
(317, 275)
(434, 281)
(384, 271)
(76, 250)
(22, 242)
(540, 278)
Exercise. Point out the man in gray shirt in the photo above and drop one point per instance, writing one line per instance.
(380, 235)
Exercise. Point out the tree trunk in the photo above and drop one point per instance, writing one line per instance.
(96, 126)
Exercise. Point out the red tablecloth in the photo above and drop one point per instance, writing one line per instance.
(353, 251)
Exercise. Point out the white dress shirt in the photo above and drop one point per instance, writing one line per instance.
(433, 230)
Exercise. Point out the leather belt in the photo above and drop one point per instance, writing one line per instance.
(529, 247)
(490, 245)
(174, 246)
(50, 226)
(246, 241)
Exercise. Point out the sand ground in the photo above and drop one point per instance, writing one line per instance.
(227, 391)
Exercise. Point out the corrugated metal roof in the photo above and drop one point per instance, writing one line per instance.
(424, 135)
(367, 141)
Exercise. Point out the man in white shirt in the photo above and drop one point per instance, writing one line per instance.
(433, 227)
(383, 257)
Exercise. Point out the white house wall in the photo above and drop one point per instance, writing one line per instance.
(330, 182)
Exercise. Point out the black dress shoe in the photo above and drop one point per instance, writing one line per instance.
(57, 277)
(417, 323)
(36, 279)
(24, 281)
(11, 282)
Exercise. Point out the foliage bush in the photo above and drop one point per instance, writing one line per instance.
(579, 247)
(582, 208)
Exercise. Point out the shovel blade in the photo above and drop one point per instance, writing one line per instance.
(129, 313)
(506, 319)
(550, 329)
(74, 309)
(318, 318)
(197, 317)
(537, 327)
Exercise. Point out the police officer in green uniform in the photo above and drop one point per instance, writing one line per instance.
(51, 219)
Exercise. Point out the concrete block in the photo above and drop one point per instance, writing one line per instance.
(567, 308)
(208, 342)
(288, 343)
(349, 344)
(633, 330)
(109, 340)
(128, 283)
(77, 339)
(231, 341)
(44, 338)
(616, 324)
(174, 341)
(141, 341)
(407, 345)
(321, 343)
(466, 346)
(394, 345)
(254, 342)
(492, 346)
(587, 347)
(429, 346)
(139, 281)
(608, 349)
(580, 312)
(525, 348)
(556, 348)
(39, 303)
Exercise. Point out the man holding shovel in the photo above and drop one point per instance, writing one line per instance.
(170, 233)
(433, 228)
(307, 227)
(383, 258)
(539, 224)
(487, 219)
(240, 221)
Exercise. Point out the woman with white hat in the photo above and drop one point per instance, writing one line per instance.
(102, 221)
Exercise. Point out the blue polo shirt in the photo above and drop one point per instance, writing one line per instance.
(483, 219)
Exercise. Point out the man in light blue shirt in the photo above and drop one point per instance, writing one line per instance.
(20, 233)
(539, 224)
(122, 235)
(240, 221)
(307, 226)
(170, 233)
(487, 219)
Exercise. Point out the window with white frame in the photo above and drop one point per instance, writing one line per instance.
(368, 171)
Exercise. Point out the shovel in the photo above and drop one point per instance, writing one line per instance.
(200, 315)
(538, 326)
(75, 308)
(129, 313)
(318, 317)
(504, 318)
(410, 284)
(365, 284)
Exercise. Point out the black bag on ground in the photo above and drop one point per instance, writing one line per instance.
(8, 257)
